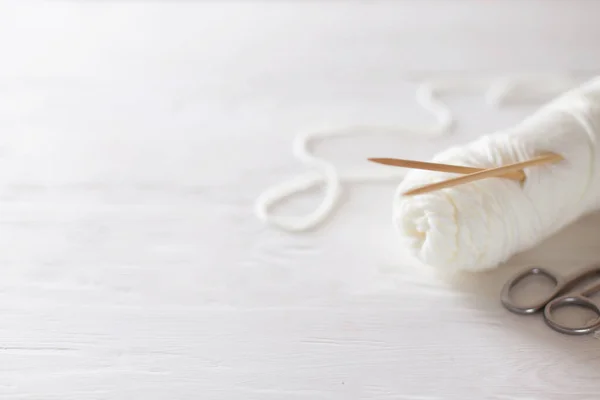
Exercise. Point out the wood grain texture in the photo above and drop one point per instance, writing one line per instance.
(134, 139)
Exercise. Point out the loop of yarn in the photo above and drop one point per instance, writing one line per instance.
(324, 172)
(478, 225)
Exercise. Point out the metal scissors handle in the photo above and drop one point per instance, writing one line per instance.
(560, 297)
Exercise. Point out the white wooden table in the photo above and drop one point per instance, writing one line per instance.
(134, 140)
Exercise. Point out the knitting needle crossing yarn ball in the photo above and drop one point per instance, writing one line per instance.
(479, 225)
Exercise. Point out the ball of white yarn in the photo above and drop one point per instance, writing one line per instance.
(479, 225)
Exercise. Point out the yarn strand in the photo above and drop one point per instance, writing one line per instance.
(323, 172)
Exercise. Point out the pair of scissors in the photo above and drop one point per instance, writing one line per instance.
(562, 296)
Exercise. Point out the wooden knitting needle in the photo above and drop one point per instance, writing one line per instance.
(488, 173)
(516, 175)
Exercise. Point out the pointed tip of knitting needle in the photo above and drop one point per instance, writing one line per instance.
(394, 162)
(377, 160)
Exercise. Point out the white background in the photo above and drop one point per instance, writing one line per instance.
(134, 139)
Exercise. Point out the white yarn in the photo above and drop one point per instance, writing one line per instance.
(481, 224)
(325, 172)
